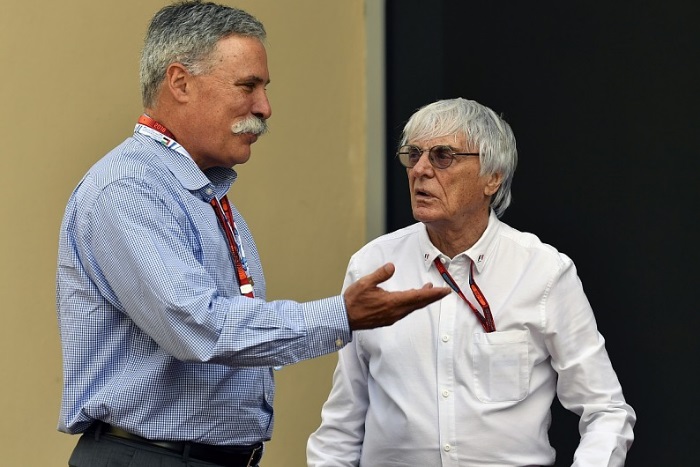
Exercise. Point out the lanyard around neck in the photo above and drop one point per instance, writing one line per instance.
(155, 130)
(151, 123)
(486, 319)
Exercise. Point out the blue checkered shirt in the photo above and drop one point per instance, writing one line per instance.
(156, 337)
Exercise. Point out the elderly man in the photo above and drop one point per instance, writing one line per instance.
(471, 382)
(168, 341)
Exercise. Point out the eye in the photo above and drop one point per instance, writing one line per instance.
(414, 154)
(442, 154)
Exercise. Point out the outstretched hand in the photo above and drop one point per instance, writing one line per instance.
(369, 306)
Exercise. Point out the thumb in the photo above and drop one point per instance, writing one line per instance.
(381, 274)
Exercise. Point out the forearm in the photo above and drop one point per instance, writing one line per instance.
(606, 437)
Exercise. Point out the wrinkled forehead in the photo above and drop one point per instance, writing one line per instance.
(426, 141)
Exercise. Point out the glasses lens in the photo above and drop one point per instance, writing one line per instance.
(441, 156)
(409, 155)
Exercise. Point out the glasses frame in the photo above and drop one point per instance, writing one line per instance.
(402, 154)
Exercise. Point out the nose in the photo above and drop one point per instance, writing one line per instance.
(262, 108)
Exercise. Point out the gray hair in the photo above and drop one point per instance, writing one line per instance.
(482, 127)
(187, 33)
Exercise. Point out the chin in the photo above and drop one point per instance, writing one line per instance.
(422, 216)
(242, 159)
(240, 155)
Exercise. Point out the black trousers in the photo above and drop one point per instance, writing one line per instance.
(95, 450)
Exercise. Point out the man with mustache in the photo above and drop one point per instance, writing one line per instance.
(168, 342)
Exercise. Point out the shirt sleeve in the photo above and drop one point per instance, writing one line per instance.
(338, 440)
(139, 248)
(587, 384)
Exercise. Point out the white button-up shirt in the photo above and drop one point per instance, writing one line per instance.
(435, 390)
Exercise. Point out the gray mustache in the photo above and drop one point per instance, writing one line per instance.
(253, 124)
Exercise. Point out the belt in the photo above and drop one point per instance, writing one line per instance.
(227, 456)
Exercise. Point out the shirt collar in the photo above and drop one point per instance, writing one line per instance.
(480, 253)
(484, 248)
(215, 181)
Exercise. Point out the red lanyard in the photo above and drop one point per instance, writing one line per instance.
(149, 122)
(223, 213)
(486, 319)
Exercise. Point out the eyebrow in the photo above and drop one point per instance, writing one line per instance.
(254, 78)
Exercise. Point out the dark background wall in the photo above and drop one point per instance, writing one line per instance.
(603, 99)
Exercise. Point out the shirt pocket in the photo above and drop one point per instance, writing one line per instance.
(501, 366)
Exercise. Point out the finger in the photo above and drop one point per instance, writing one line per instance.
(380, 275)
(423, 296)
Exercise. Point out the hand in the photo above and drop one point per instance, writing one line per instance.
(369, 306)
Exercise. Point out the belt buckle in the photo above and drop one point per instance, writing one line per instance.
(252, 456)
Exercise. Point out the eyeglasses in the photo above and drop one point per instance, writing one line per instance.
(440, 157)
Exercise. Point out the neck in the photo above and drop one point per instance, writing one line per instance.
(147, 120)
(171, 120)
(452, 239)
(168, 117)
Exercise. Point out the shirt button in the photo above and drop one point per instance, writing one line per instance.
(445, 338)
(209, 191)
(339, 342)
(447, 448)
(445, 393)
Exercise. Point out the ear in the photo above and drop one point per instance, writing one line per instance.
(178, 82)
(493, 183)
